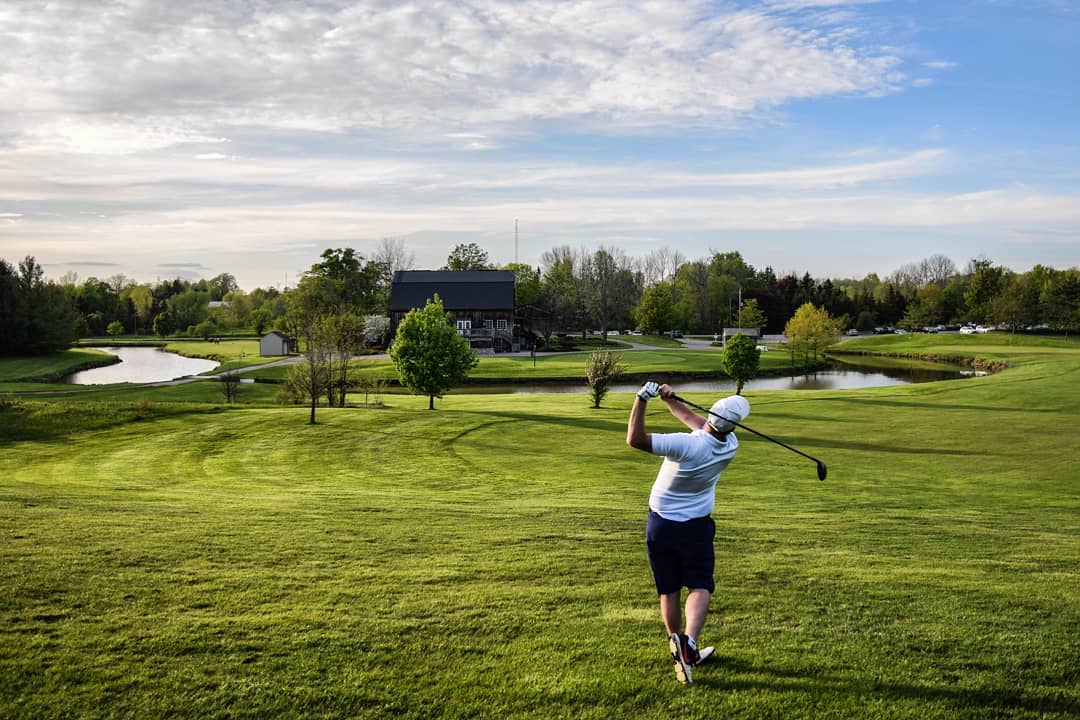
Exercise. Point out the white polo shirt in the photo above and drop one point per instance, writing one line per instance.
(685, 486)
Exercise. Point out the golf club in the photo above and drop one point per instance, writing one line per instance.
(821, 469)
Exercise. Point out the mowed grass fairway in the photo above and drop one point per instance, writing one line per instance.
(486, 559)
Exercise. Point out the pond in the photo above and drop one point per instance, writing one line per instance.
(839, 375)
(141, 365)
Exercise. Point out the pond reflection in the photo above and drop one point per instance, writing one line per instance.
(846, 375)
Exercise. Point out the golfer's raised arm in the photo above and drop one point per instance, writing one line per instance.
(636, 437)
(681, 410)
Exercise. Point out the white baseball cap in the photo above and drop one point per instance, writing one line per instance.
(734, 408)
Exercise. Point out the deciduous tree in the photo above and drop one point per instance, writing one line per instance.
(811, 330)
(428, 353)
(741, 360)
(467, 256)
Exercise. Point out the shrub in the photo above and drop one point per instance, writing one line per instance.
(601, 370)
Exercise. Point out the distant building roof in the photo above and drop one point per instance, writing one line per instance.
(458, 289)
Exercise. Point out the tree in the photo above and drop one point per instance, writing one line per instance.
(612, 287)
(428, 353)
(354, 284)
(601, 370)
(751, 317)
(566, 285)
(391, 257)
(741, 360)
(307, 308)
(189, 308)
(467, 257)
(260, 320)
(811, 329)
(230, 385)
(36, 316)
(656, 310)
(142, 301)
(987, 282)
(344, 334)
(375, 329)
(1018, 303)
(1061, 301)
(222, 285)
(115, 328)
(527, 285)
(164, 324)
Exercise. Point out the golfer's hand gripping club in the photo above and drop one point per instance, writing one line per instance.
(649, 390)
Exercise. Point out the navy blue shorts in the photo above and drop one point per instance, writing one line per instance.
(681, 553)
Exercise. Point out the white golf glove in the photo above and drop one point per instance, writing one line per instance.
(649, 390)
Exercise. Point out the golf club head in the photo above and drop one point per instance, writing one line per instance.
(822, 471)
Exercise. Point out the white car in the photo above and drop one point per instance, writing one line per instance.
(982, 329)
(967, 330)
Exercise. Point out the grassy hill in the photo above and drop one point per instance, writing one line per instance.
(486, 560)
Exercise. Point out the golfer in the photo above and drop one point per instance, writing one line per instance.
(679, 534)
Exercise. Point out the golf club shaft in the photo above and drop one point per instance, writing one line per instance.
(710, 412)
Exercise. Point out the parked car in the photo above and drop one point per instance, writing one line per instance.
(676, 334)
(852, 331)
(763, 348)
(983, 329)
(967, 330)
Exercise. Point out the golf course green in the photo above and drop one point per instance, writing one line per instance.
(165, 555)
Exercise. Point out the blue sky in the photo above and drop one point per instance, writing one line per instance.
(156, 139)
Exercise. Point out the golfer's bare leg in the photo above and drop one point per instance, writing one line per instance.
(697, 608)
(671, 612)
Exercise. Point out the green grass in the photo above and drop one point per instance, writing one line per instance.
(571, 366)
(486, 560)
(50, 367)
(231, 354)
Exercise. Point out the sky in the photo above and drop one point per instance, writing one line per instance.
(158, 139)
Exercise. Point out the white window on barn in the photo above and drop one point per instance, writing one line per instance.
(487, 324)
(500, 324)
(464, 326)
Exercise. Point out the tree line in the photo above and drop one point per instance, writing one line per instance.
(570, 291)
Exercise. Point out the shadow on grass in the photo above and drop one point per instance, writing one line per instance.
(805, 442)
(48, 422)
(560, 420)
(783, 680)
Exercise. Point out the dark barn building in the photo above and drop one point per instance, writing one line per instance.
(480, 303)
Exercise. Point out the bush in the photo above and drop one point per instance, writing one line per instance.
(601, 370)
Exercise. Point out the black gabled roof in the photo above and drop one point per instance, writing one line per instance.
(458, 289)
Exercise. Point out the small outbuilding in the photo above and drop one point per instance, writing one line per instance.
(274, 343)
(755, 333)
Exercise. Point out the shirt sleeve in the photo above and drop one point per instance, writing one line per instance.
(674, 446)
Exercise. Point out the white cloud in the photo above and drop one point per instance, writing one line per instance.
(940, 65)
(133, 78)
